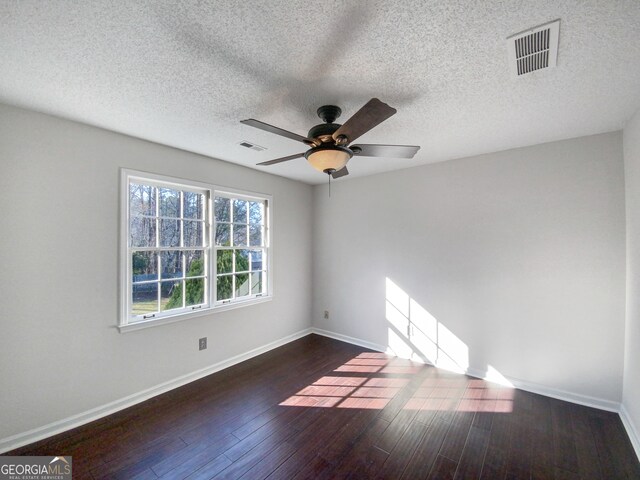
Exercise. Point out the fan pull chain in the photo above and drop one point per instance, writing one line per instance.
(329, 185)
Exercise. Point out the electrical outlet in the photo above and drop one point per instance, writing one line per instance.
(326, 314)
(202, 343)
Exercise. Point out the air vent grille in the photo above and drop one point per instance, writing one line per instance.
(532, 52)
(252, 146)
(535, 49)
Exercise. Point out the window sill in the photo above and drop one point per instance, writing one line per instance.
(156, 322)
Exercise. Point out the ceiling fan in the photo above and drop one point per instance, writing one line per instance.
(330, 142)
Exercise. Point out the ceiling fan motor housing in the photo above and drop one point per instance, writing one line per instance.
(324, 131)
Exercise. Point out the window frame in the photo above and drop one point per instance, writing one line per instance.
(233, 194)
(126, 321)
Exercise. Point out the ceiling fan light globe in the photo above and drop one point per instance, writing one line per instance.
(330, 157)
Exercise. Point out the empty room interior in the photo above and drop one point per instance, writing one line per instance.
(346, 239)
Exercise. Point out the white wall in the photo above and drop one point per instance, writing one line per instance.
(631, 395)
(511, 262)
(60, 354)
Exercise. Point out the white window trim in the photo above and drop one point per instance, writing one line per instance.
(249, 196)
(124, 324)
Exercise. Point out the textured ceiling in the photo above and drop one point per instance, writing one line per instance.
(184, 73)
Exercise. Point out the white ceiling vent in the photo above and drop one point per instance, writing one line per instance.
(534, 49)
(252, 146)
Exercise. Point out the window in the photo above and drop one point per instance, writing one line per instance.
(241, 248)
(171, 268)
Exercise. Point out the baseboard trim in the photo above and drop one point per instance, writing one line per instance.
(517, 383)
(578, 398)
(631, 429)
(348, 339)
(59, 426)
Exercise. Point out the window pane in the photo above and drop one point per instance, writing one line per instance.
(171, 295)
(255, 235)
(144, 299)
(171, 264)
(169, 233)
(224, 287)
(142, 232)
(144, 266)
(242, 285)
(255, 213)
(194, 291)
(240, 235)
(142, 199)
(256, 283)
(169, 202)
(239, 211)
(194, 263)
(192, 232)
(193, 205)
(242, 260)
(224, 261)
(256, 260)
(222, 209)
(223, 233)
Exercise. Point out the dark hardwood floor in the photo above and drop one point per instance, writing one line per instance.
(322, 409)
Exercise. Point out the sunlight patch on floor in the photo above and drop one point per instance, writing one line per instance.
(372, 380)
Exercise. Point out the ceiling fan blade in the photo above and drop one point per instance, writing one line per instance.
(281, 159)
(278, 131)
(371, 114)
(340, 173)
(391, 151)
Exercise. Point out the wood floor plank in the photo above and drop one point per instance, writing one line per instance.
(260, 420)
(256, 455)
(137, 461)
(210, 469)
(610, 467)
(619, 445)
(270, 462)
(330, 455)
(519, 456)
(398, 426)
(443, 469)
(322, 409)
(542, 461)
(311, 440)
(586, 450)
(472, 459)
(272, 433)
(402, 452)
(190, 459)
(565, 456)
(427, 450)
(457, 436)
(144, 475)
(496, 456)
(358, 458)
